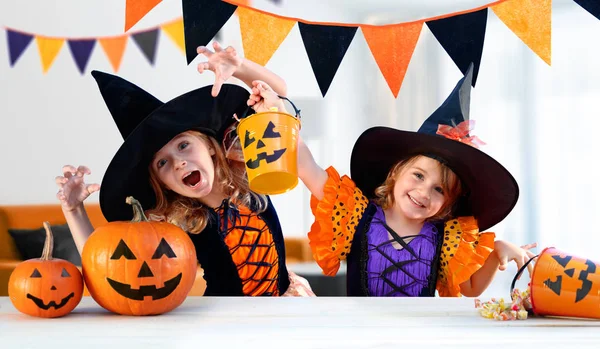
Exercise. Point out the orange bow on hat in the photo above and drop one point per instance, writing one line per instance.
(461, 133)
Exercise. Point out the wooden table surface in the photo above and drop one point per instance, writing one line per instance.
(321, 322)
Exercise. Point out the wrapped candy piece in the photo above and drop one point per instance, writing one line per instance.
(517, 309)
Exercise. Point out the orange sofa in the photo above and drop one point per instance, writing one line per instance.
(33, 216)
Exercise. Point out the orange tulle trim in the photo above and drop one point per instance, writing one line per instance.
(336, 217)
(464, 251)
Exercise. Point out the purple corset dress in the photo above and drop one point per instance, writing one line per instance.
(399, 273)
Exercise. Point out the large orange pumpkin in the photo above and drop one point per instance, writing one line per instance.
(139, 267)
(45, 287)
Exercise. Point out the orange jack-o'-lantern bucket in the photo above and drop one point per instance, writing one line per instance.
(565, 285)
(269, 142)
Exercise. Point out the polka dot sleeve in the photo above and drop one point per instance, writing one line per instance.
(464, 250)
(336, 218)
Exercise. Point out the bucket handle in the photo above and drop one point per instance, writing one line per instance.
(512, 285)
(296, 110)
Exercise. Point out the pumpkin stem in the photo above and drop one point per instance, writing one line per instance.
(48, 244)
(138, 211)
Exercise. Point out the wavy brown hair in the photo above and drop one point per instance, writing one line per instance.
(189, 213)
(451, 185)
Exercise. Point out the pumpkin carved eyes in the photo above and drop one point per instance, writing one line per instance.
(36, 274)
(163, 248)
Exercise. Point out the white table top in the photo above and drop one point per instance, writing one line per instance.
(325, 322)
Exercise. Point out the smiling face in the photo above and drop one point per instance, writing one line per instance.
(418, 191)
(49, 288)
(185, 166)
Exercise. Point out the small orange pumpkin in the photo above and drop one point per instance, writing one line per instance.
(45, 287)
(139, 267)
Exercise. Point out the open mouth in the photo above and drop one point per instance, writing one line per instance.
(192, 179)
(416, 202)
(126, 291)
(41, 305)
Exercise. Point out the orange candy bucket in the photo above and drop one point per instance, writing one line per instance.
(269, 143)
(565, 285)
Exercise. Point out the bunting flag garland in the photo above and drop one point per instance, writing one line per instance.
(591, 6)
(114, 48)
(81, 49)
(48, 49)
(462, 37)
(530, 20)
(136, 10)
(202, 19)
(147, 42)
(17, 43)
(262, 35)
(460, 34)
(326, 47)
(392, 48)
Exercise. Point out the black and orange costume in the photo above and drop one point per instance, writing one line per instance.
(242, 252)
(348, 226)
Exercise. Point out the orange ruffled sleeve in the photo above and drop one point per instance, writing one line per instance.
(464, 250)
(336, 218)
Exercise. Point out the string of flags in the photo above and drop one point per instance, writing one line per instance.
(460, 34)
(82, 48)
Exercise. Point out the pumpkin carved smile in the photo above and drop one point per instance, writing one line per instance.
(41, 305)
(126, 291)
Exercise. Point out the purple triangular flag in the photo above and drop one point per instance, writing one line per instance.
(462, 37)
(147, 42)
(591, 6)
(81, 50)
(326, 46)
(17, 43)
(202, 20)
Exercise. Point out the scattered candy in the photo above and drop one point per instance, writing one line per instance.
(517, 309)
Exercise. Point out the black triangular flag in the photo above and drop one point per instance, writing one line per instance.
(147, 42)
(591, 6)
(462, 37)
(326, 46)
(202, 20)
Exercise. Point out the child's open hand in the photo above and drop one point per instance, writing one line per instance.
(72, 188)
(509, 252)
(222, 62)
(263, 98)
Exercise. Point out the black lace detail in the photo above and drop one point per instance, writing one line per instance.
(232, 220)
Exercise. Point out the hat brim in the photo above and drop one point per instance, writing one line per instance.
(492, 190)
(128, 173)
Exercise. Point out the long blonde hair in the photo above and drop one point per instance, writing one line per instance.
(451, 185)
(191, 214)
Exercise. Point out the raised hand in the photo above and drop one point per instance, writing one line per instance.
(223, 62)
(72, 188)
(263, 98)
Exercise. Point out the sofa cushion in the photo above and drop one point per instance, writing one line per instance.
(30, 243)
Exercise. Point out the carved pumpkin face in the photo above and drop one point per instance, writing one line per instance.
(139, 267)
(269, 143)
(565, 285)
(45, 287)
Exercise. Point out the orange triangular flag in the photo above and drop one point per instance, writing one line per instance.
(393, 46)
(48, 48)
(262, 34)
(114, 48)
(531, 21)
(175, 31)
(136, 10)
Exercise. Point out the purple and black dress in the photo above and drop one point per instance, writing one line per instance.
(349, 227)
